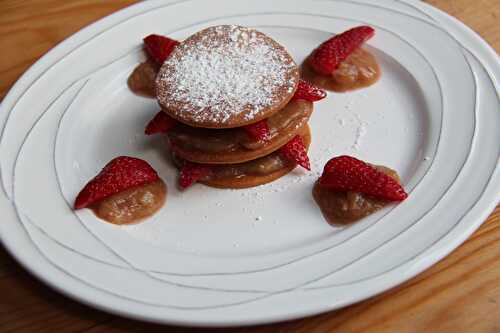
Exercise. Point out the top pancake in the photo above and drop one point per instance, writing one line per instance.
(226, 76)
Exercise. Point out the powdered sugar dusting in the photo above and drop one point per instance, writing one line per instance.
(226, 73)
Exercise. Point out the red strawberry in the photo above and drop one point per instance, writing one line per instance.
(346, 173)
(191, 173)
(258, 130)
(161, 123)
(118, 175)
(309, 92)
(295, 151)
(159, 47)
(327, 57)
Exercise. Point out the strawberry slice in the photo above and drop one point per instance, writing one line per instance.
(191, 173)
(259, 131)
(309, 92)
(296, 151)
(118, 175)
(159, 47)
(346, 173)
(327, 57)
(161, 123)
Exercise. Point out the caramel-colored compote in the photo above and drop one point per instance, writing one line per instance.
(259, 167)
(250, 173)
(359, 70)
(284, 124)
(142, 79)
(132, 205)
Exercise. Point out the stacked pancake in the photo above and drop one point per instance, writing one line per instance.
(234, 110)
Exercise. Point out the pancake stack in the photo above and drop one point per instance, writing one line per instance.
(233, 108)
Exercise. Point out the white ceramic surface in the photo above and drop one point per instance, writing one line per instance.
(238, 257)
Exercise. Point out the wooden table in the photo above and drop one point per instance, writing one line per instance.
(459, 294)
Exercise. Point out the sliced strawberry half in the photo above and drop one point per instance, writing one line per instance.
(118, 175)
(328, 56)
(295, 150)
(309, 92)
(159, 47)
(347, 173)
(192, 172)
(161, 123)
(259, 131)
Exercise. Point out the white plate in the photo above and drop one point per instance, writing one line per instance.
(237, 257)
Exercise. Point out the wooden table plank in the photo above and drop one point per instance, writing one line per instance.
(459, 294)
(483, 16)
(7, 264)
(28, 29)
(26, 305)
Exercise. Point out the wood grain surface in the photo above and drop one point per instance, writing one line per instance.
(459, 294)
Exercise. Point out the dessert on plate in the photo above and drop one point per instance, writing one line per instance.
(234, 114)
(233, 108)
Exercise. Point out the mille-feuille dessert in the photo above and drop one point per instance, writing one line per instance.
(234, 109)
